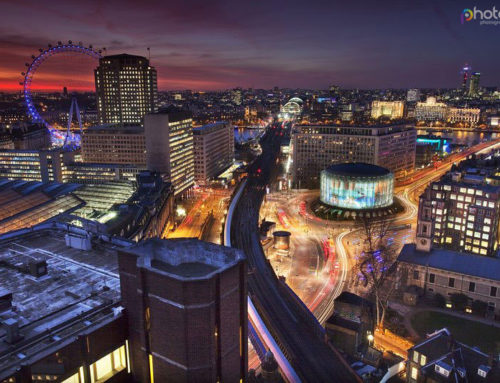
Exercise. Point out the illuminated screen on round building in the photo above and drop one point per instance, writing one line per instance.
(357, 186)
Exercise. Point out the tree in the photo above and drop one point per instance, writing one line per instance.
(459, 301)
(439, 300)
(479, 307)
(376, 264)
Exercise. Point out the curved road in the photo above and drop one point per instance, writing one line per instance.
(299, 335)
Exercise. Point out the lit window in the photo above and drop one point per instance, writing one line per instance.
(423, 360)
(414, 373)
(108, 365)
(415, 356)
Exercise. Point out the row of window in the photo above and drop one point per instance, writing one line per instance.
(451, 283)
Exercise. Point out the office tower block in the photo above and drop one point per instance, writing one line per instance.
(126, 89)
(169, 146)
(213, 150)
(460, 212)
(114, 145)
(474, 84)
(317, 147)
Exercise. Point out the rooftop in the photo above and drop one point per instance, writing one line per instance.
(357, 169)
(441, 349)
(185, 258)
(174, 113)
(27, 203)
(113, 128)
(77, 282)
(455, 261)
(352, 129)
(208, 127)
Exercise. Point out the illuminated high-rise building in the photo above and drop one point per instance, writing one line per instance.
(317, 147)
(213, 149)
(474, 84)
(114, 145)
(460, 213)
(169, 146)
(465, 77)
(126, 89)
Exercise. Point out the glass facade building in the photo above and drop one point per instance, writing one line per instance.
(357, 186)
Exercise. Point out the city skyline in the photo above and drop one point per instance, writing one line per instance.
(224, 45)
(253, 192)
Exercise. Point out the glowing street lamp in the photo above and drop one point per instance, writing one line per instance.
(370, 338)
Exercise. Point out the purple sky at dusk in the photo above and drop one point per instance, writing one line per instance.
(222, 44)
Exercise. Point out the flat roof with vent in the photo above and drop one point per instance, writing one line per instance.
(185, 258)
(76, 281)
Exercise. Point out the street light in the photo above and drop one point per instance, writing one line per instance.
(370, 338)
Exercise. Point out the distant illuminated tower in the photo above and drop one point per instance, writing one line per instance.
(465, 76)
(474, 84)
(126, 89)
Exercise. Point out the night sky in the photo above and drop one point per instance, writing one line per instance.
(214, 44)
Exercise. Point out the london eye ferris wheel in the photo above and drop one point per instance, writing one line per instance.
(58, 138)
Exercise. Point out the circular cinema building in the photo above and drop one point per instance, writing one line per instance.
(357, 186)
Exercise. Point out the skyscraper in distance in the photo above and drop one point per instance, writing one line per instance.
(465, 76)
(474, 84)
(126, 88)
